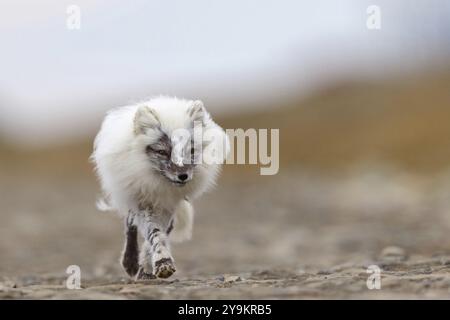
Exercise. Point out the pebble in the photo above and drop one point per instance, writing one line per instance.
(393, 253)
(7, 284)
(232, 278)
(30, 280)
(220, 278)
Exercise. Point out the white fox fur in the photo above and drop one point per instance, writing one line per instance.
(134, 180)
(183, 222)
(183, 219)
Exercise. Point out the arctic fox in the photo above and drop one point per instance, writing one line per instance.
(150, 173)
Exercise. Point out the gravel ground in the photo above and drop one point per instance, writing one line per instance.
(294, 235)
(423, 279)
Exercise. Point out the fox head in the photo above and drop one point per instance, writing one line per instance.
(168, 137)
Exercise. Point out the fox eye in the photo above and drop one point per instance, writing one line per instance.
(162, 152)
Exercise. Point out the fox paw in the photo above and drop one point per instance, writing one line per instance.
(164, 268)
(142, 275)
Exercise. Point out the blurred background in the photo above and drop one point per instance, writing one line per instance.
(363, 115)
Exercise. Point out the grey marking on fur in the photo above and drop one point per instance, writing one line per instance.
(151, 232)
(170, 228)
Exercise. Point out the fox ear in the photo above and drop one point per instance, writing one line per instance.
(196, 111)
(145, 119)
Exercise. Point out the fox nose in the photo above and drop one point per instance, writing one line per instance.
(182, 176)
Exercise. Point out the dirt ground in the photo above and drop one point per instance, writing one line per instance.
(290, 236)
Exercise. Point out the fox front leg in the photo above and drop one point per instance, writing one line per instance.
(156, 250)
(162, 261)
(130, 254)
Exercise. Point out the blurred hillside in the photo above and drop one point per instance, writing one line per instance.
(402, 122)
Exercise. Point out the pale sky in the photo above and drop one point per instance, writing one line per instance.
(56, 82)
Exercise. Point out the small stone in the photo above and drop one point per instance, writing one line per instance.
(324, 272)
(301, 271)
(393, 253)
(220, 278)
(8, 284)
(232, 278)
(445, 261)
(30, 280)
